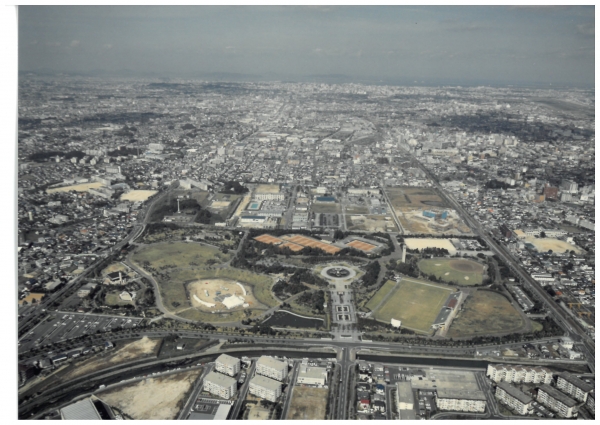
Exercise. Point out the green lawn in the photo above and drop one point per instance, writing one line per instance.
(485, 313)
(326, 208)
(415, 302)
(178, 254)
(454, 270)
(380, 294)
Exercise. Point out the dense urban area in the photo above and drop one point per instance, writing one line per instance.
(220, 250)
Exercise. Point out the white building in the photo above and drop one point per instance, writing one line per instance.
(460, 400)
(312, 375)
(573, 386)
(264, 387)
(514, 398)
(271, 368)
(550, 397)
(220, 385)
(518, 374)
(227, 364)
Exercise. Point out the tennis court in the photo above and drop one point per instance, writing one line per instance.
(363, 246)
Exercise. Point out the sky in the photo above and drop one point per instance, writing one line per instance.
(431, 44)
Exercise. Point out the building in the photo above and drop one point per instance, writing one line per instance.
(551, 193)
(518, 374)
(312, 375)
(590, 403)
(82, 410)
(271, 368)
(220, 385)
(227, 364)
(461, 400)
(573, 386)
(550, 397)
(514, 398)
(405, 399)
(429, 214)
(264, 387)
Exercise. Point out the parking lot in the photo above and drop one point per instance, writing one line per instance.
(64, 326)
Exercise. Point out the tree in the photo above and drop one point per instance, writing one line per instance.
(542, 234)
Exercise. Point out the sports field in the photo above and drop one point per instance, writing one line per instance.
(313, 243)
(363, 246)
(371, 223)
(380, 294)
(485, 313)
(415, 302)
(458, 270)
(138, 195)
(207, 292)
(556, 245)
(83, 187)
(178, 254)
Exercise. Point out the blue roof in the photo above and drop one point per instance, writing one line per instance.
(325, 199)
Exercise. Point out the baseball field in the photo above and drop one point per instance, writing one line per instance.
(415, 302)
(138, 195)
(461, 271)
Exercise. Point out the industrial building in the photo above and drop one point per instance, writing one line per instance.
(461, 400)
(573, 386)
(518, 374)
(550, 397)
(514, 398)
(271, 368)
(220, 385)
(405, 400)
(82, 410)
(312, 375)
(227, 364)
(264, 387)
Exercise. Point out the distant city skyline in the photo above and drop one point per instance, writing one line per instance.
(392, 44)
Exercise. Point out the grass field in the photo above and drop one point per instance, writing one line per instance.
(329, 207)
(485, 313)
(138, 195)
(463, 272)
(414, 197)
(357, 209)
(536, 326)
(380, 294)
(178, 254)
(415, 302)
(112, 299)
(308, 403)
(420, 243)
(83, 187)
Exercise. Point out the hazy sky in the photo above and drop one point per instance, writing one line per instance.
(466, 44)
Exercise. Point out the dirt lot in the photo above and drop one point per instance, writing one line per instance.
(556, 245)
(144, 347)
(485, 313)
(420, 243)
(308, 403)
(114, 267)
(138, 195)
(326, 207)
(153, 398)
(371, 223)
(84, 187)
(416, 197)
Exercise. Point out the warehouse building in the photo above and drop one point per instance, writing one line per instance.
(550, 397)
(405, 400)
(573, 386)
(460, 400)
(271, 368)
(518, 374)
(220, 385)
(312, 375)
(514, 398)
(227, 364)
(264, 387)
(82, 410)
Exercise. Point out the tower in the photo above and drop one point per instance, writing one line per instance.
(178, 210)
(404, 253)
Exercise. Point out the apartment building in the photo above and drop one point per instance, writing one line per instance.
(573, 386)
(514, 398)
(264, 387)
(227, 364)
(518, 374)
(460, 400)
(271, 368)
(220, 385)
(550, 397)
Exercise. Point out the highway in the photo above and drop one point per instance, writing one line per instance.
(235, 410)
(290, 389)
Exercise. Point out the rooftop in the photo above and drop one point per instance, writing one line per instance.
(228, 360)
(556, 394)
(220, 379)
(82, 410)
(515, 392)
(265, 382)
(271, 362)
